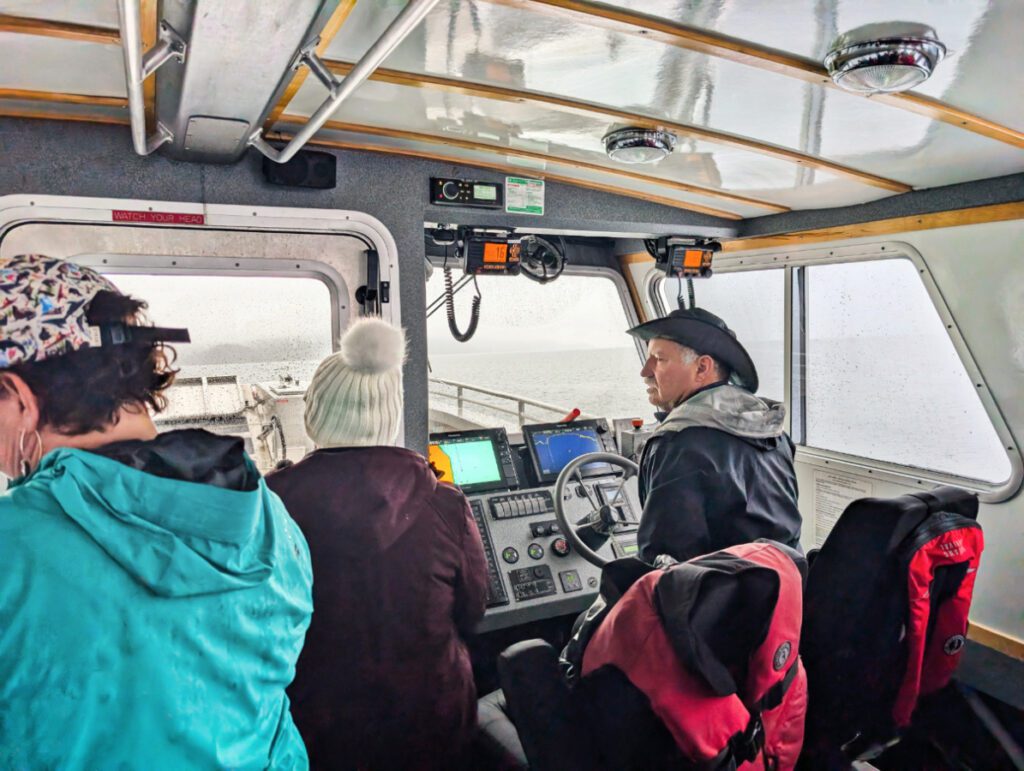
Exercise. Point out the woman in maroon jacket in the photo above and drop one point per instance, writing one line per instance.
(399, 577)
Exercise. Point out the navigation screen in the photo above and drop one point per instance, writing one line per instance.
(553, 445)
(471, 460)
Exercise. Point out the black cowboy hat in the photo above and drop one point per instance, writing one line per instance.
(708, 335)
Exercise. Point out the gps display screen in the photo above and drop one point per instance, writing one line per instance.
(471, 460)
(552, 446)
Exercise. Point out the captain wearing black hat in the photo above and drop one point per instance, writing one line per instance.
(718, 469)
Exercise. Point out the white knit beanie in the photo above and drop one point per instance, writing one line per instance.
(355, 397)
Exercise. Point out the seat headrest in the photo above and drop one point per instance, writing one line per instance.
(951, 499)
(716, 612)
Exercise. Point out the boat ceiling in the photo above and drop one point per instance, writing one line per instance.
(532, 86)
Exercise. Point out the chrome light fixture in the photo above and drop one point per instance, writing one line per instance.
(884, 58)
(639, 145)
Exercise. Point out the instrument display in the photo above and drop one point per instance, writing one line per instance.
(553, 445)
(474, 461)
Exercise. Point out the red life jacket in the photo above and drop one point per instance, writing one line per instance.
(936, 636)
(682, 636)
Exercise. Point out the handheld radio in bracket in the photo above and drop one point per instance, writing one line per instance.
(491, 252)
(683, 257)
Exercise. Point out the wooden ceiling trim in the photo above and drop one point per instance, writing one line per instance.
(55, 97)
(946, 219)
(750, 54)
(149, 36)
(467, 144)
(506, 169)
(58, 29)
(10, 111)
(940, 111)
(330, 30)
(502, 93)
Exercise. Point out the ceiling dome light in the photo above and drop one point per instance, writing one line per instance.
(639, 145)
(884, 58)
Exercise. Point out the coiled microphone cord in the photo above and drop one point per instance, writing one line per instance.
(449, 307)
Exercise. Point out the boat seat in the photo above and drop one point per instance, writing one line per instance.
(497, 746)
(885, 617)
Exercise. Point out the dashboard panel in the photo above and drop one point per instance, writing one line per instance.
(533, 571)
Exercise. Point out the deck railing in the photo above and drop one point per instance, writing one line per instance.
(467, 394)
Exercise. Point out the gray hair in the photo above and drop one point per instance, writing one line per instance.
(690, 356)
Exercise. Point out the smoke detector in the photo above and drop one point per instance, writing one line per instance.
(884, 58)
(639, 145)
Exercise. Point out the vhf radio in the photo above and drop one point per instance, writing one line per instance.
(489, 252)
(686, 257)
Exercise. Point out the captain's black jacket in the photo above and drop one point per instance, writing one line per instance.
(705, 489)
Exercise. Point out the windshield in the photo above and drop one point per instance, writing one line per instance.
(563, 344)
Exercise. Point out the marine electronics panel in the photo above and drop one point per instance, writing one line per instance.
(533, 573)
(553, 445)
(474, 461)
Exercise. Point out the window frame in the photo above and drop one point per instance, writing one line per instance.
(20, 209)
(794, 262)
(247, 267)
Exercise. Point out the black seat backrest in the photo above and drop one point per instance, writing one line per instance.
(859, 642)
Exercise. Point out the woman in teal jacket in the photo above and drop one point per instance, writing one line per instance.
(154, 594)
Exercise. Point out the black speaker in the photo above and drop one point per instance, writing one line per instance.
(308, 168)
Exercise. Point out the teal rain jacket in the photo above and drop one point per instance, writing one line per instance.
(148, 622)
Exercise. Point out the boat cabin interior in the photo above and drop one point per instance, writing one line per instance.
(519, 182)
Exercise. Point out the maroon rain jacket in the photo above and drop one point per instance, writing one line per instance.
(399, 578)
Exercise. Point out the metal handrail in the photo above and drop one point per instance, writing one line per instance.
(521, 401)
(463, 400)
(139, 66)
(398, 30)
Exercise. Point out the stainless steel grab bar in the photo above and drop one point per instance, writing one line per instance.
(139, 66)
(399, 29)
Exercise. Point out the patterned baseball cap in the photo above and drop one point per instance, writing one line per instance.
(43, 307)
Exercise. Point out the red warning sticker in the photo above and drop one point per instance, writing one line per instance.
(160, 217)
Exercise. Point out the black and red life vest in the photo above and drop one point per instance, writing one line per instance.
(887, 603)
(713, 644)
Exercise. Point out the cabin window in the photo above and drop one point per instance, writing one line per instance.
(539, 351)
(256, 340)
(259, 328)
(882, 378)
(753, 304)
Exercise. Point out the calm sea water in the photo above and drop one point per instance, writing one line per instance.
(604, 382)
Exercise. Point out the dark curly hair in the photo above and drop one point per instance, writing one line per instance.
(84, 390)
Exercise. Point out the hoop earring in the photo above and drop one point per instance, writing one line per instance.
(25, 466)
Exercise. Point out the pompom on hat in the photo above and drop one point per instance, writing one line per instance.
(355, 397)
(44, 304)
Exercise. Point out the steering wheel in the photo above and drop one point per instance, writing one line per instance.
(602, 517)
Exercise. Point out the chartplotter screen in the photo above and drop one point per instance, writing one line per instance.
(477, 461)
(554, 445)
(466, 463)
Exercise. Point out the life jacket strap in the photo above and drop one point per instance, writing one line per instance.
(746, 745)
(773, 696)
